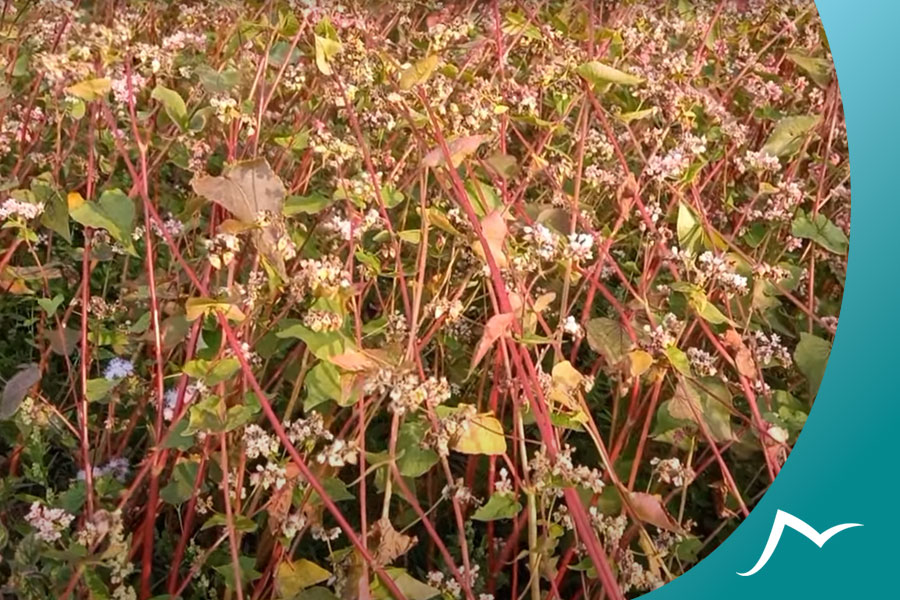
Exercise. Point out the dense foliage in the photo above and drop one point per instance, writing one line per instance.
(477, 299)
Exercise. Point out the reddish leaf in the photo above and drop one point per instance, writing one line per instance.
(650, 509)
(496, 326)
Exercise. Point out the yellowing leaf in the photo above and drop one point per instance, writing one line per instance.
(326, 50)
(412, 588)
(459, 149)
(292, 577)
(565, 384)
(353, 360)
(419, 72)
(90, 89)
(598, 73)
(639, 361)
(198, 307)
(543, 302)
(564, 374)
(483, 435)
(74, 200)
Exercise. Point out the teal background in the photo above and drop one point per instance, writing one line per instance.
(844, 468)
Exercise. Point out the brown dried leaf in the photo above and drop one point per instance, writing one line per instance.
(743, 358)
(245, 189)
(720, 497)
(279, 505)
(459, 149)
(249, 190)
(388, 542)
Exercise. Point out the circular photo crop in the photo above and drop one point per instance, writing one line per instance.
(482, 299)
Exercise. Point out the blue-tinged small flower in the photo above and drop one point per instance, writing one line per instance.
(118, 368)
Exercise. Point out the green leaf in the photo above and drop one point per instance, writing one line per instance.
(181, 485)
(818, 69)
(608, 338)
(598, 74)
(335, 489)
(323, 344)
(240, 522)
(411, 236)
(245, 570)
(310, 205)
(49, 305)
(90, 89)
(499, 506)
(316, 593)
(212, 372)
(177, 439)
(292, 577)
(636, 115)
(195, 308)
(216, 82)
(690, 234)
(241, 414)
(114, 212)
(95, 584)
(56, 210)
(416, 460)
(788, 135)
(412, 588)
(811, 356)
(97, 389)
(323, 383)
(419, 72)
(688, 549)
(296, 142)
(679, 360)
(707, 398)
(822, 231)
(326, 50)
(208, 415)
(706, 309)
(172, 103)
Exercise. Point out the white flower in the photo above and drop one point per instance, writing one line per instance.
(572, 327)
(25, 210)
(49, 522)
(259, 443)
(580, 246)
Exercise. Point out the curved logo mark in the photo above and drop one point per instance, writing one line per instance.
(782, 520)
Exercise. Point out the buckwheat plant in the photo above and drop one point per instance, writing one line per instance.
(427, 300)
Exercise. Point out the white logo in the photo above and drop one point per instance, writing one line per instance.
(782, 520)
